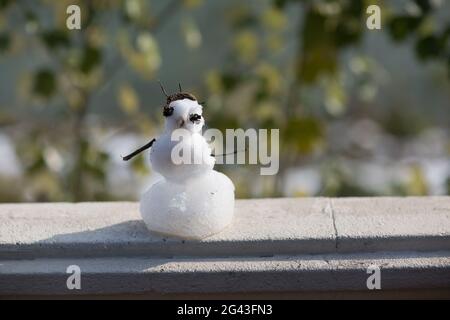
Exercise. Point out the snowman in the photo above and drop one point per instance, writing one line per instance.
(191, 201)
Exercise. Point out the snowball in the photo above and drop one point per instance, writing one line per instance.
(193, 209)
(181, 111)
(192, 201)
(199, 161)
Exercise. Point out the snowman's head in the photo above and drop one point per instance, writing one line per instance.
(182, 110)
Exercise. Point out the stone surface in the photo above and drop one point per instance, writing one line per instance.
(411, 223)
(274, 245)
(232, 275)
(260, 227)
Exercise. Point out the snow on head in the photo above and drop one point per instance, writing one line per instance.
(186, 114)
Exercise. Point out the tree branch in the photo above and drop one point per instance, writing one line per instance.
(158, 23)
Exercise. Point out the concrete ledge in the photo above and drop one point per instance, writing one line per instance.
(274, 245)
(374, 224)
(262, 228)
(276, 274)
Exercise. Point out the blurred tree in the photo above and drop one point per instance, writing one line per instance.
(326, 28)
(261, 85)
(76, 70)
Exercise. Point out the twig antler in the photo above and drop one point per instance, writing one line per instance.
(162, 89)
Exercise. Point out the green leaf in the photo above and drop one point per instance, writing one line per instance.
(241, 17)
(44, 84)
(55, 39)
(229, 81)
(280, 3)
(424, 5)
(90, 59)
(417, 183)
(246, 44)
(95, 171)
(139, 166)
(5, 42)
(128, 99)
(404, 125)
(304, 134)
(402, 26)
(348, 31)
(37, 165)
(448, 65)
(429, 47)
(319, 49)
(4, 4)
(223, 122)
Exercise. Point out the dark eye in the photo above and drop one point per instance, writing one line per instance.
(167, 111)
(194, 117)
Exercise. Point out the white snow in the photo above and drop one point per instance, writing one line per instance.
(9, 165)
(194, 209)
(192, 200)
(162, 161)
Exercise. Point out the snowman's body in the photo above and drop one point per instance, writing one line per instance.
(192, 200)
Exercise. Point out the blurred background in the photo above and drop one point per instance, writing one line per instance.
(361, 112)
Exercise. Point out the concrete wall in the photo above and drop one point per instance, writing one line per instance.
(304, 247)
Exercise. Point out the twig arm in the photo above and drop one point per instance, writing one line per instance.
(135, 153)
(225, 154)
